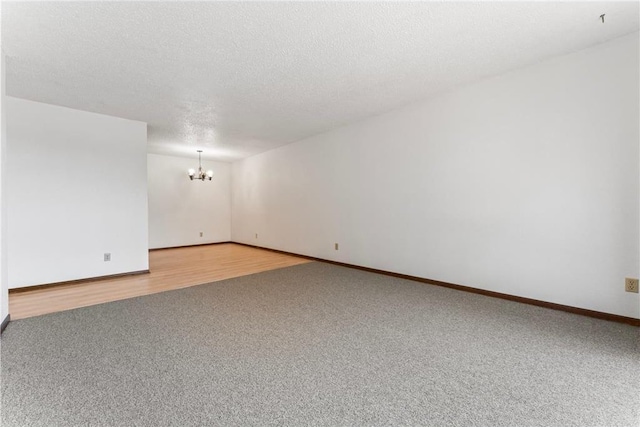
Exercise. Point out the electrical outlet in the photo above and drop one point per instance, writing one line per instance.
(336, 246)
(201, 234)
(107, 257)
(631, 285)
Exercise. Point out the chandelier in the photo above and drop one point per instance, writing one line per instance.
(201, 175)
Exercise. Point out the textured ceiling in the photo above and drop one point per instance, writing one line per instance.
(239, 78)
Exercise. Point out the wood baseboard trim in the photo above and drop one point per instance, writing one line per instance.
(575, 310)
(5, 322)
(75, 282)
(190, 246)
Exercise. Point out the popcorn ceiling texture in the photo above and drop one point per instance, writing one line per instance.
(240, 78)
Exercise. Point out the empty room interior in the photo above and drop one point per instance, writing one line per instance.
(320, 213)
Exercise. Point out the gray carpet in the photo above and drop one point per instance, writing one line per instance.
(319, 345)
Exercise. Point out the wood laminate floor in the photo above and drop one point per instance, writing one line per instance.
(169, 269)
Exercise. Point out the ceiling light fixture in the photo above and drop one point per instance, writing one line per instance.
(201, 175)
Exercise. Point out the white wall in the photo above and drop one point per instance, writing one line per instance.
(4, 281)
(179, 209)
(77, 188)
(525, 184)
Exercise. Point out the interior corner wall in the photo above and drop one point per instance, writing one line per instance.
(181, 209)
(525, 184)
(4, 281)
(77, 189)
